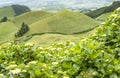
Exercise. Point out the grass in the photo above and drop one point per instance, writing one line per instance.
(6, 11)
(102, 17)
(46, 40)
(31, 17)
(64, 22)
(7, 31)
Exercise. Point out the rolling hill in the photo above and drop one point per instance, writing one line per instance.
(6, 11)
(103, 10)
(66, 22)
(7, 31)
(53, 25)
(31, 17)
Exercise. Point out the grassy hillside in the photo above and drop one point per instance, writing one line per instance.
(31, 17)
(6, 11)
(48, 39)
(103, 10)
(7, 31)
(66, 22)
(102, 17)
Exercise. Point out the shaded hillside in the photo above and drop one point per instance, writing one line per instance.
(11, 11)
(103, 10)
(31, 17)
(63, 22)
(19, 9)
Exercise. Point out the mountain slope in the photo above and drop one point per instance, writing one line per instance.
(66, 22)
(103, 10)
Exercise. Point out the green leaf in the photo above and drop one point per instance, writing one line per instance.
(37, 72)
(67, 64)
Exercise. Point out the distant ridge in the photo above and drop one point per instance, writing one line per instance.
(19, 9)
(103, 10)
(13, 10)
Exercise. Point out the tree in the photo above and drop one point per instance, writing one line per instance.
(4, 19)
(24, 29)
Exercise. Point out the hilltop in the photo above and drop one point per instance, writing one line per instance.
(31, 17)
(100, 11)
(66, 22)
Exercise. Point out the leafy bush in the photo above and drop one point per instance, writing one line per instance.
(24, 29)
(4, 19)
(94, 57)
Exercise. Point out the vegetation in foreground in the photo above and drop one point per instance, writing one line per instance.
(97, 56)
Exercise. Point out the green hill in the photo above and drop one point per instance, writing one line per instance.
(57, 24)
(102, 17)
(31, 17)
(6, 11)
(66, 22)
(103, 10)
(7, 31)
(13, 10)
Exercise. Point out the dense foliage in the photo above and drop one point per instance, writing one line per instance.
(24, 29)
(4, 19)
(98, 12)
(94, 57)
